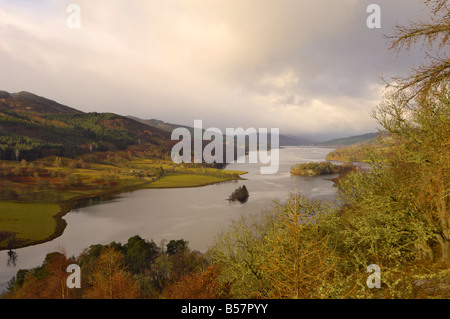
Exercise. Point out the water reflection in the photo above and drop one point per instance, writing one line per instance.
(12, 259)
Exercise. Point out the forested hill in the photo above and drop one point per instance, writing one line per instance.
(168, 127)
(32, 126)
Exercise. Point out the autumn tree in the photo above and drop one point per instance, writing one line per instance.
(239, 253)
(279, 254)
(420, 162)
(201, 285)
(398, 214)
(299, 257)
(56, 287)
(109, 279)
(32, 286)
(48, 281)
(416, 115)
(186, 264)
(434, 36)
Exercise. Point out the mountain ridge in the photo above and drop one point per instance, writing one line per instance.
(32, 126)
(29, 102)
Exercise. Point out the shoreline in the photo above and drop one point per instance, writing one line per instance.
(69, 204)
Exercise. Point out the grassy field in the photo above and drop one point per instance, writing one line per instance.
(23, 224)
(32, 194)
(186, 180)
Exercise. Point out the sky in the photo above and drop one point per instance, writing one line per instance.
(311, 68)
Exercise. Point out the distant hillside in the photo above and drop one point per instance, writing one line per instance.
(32, 126)
(362, 151)
(285, 140)
(346, 141)
(28, 102)
(168, 127)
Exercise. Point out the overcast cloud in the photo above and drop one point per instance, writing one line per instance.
(307, 67)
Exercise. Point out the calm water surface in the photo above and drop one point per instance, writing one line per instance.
(194, 214)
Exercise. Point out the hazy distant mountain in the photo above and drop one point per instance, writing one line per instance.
(285, 140)
(346, 141)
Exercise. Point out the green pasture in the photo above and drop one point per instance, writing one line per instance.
(30, 222)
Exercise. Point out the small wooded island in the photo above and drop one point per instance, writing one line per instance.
(322, 168)
(240, 194)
